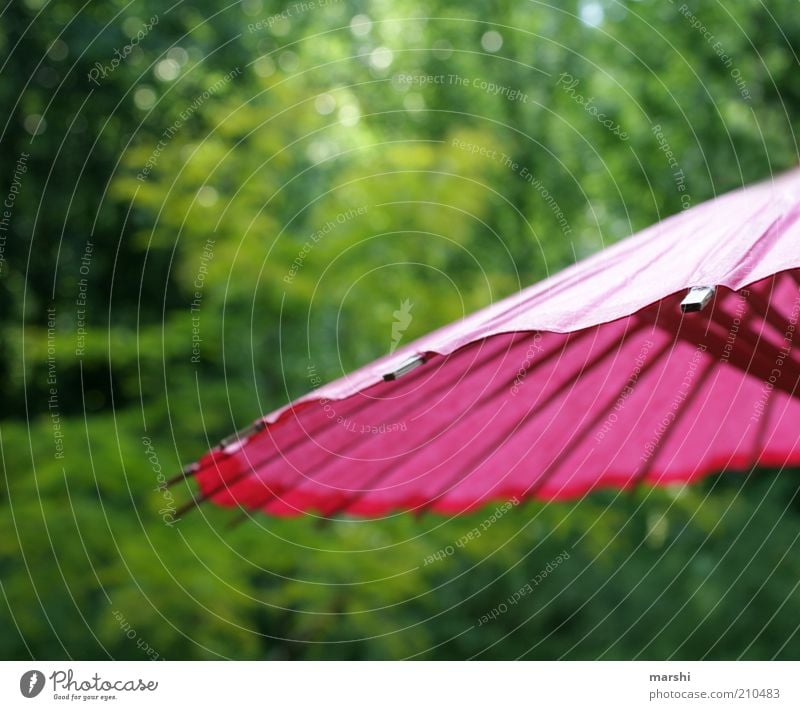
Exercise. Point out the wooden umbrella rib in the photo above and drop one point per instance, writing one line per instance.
(752, 361)
(766, 309)
(696, 389)
(430, 394)
(759, 348)
(529, 416)
(743, 346)
(484, 402)
(323, 425)
(763, 423)
(390, 387)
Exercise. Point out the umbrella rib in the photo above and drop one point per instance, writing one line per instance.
(760, 347)
(586, 428)
(763, 423)
(767, 309)
(744, 346)
(571, 380)
(550, 470)
(192, 470)
(502, 385)
(763, 358)
(693, 327)
(251, 471)
(751, 361)
(586, 367)
(640, 476)
(747, 336)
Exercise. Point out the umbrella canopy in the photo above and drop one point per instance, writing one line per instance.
(606, 374)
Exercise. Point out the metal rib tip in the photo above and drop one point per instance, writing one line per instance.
(243, 434)
(697, 298)
(406, 366)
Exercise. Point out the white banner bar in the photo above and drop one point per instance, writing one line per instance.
(401, 685)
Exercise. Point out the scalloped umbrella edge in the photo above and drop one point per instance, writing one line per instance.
(575, 383)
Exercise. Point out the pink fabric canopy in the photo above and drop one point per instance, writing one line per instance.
(594, 377)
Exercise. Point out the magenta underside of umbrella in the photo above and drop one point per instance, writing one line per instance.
(591, 378)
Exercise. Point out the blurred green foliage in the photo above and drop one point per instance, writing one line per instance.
(263, 124)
